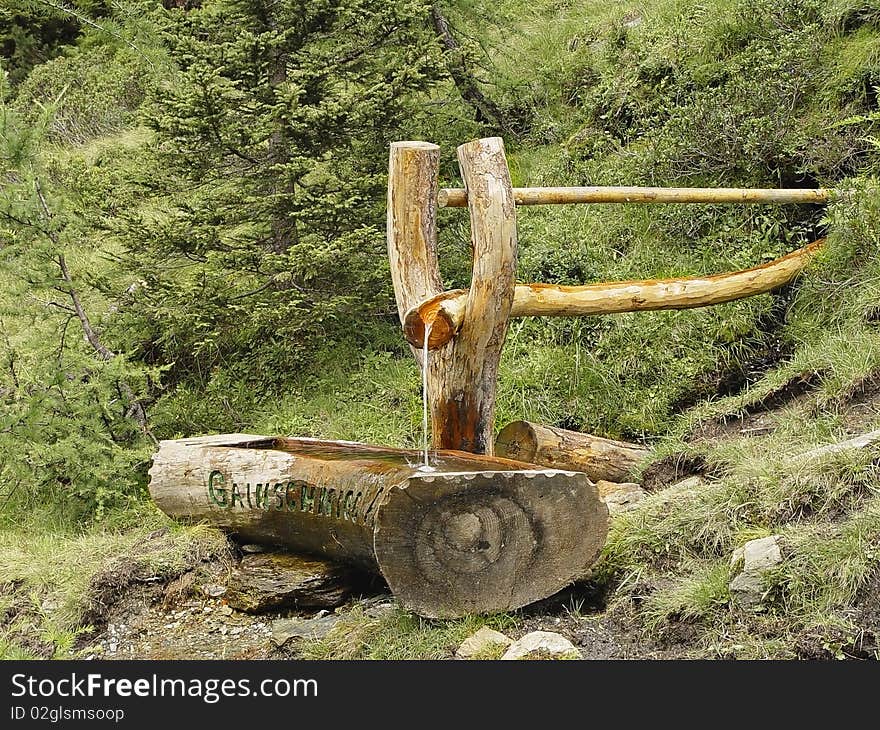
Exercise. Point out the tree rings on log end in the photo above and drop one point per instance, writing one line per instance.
(482, 542)
(432, 313)
(518, 441)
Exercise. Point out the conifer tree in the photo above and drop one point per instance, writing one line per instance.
(265, 231)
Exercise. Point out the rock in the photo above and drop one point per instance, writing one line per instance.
(749, 564)
(379, 610)
(213, 590)
(252, 548)
(605, 487)
(542, 645)
(482, 644)
(625, 497)
(686, 485)
(270, 581)
(285, 629)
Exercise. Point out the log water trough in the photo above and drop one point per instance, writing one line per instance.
(475, 534)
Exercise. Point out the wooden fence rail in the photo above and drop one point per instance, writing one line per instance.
(457, 197)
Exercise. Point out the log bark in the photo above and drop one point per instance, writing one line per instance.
(457, 197)
(446, 311)
(598, 458)
(477, 534)
(461, 377)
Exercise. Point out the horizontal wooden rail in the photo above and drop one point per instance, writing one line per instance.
(445, 312)
(457, 197)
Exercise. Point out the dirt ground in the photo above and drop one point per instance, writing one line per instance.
(180, 620)
(167, 622)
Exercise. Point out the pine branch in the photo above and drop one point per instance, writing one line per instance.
(62, 8)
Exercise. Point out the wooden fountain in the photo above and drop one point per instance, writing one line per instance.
(474, 532)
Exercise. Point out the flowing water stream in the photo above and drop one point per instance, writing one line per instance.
(426, 466)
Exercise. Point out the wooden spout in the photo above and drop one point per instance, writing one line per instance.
(445, 310)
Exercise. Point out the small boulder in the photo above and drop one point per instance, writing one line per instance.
(483, 644)
(749, 564)
(542, 645)
(689, 484)
(605, 487)
(271, 581)
(287, 629)
(252, 548)
(625, 498)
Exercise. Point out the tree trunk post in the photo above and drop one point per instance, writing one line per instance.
(413, 168)
(462, 374)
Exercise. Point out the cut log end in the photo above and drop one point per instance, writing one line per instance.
(454, 544)
(517, 441)
(433, 314)
(414, 145)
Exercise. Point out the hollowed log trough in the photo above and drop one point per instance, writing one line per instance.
(477, 534)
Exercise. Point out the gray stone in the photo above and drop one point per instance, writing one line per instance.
(749, 565)
(271, 581)
(482, 643)
(286, 629)
(213, 590)
(686, 485)
(542, 645)
(379, 610)
(253, 548)
(625, 498)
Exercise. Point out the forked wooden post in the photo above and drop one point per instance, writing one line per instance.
(466, 328)
(462, 374)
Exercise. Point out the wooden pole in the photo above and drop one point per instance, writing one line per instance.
(463, 406)
(461, 376)
(445, 311)
(478, 534)
(598, 458)
(457, 197)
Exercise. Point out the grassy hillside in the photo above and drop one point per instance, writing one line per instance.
(717, 93)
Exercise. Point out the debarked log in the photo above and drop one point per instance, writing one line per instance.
(598, 458)
(458, 197)
(445, 311)
(475, 534)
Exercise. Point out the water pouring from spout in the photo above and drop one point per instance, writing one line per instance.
(426, 466)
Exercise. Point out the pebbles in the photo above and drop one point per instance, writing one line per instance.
(209, 630)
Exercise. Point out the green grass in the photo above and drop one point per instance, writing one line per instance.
(47, 570)
(398, 634)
